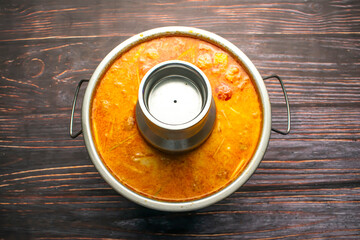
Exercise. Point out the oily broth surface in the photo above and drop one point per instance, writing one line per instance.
(191, 175)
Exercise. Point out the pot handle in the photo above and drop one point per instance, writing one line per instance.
(287, 105)
(74, 135)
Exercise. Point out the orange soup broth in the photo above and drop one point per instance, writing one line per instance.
(191, 175)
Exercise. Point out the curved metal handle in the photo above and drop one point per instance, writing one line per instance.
(287, 105)
(74, 135)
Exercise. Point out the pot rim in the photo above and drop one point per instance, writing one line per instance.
(188, 205)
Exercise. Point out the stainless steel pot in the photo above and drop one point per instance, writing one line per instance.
(184, 31)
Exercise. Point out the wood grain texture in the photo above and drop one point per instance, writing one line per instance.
(307, 186)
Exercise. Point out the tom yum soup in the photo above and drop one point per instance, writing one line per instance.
(176, 177)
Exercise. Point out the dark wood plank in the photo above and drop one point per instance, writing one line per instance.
(307, 186)
(91, 19)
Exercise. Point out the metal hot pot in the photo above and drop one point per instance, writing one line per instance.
(184, 31)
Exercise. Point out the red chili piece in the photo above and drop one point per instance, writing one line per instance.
(224, 92)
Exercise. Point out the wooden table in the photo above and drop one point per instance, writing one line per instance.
(307, 186)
